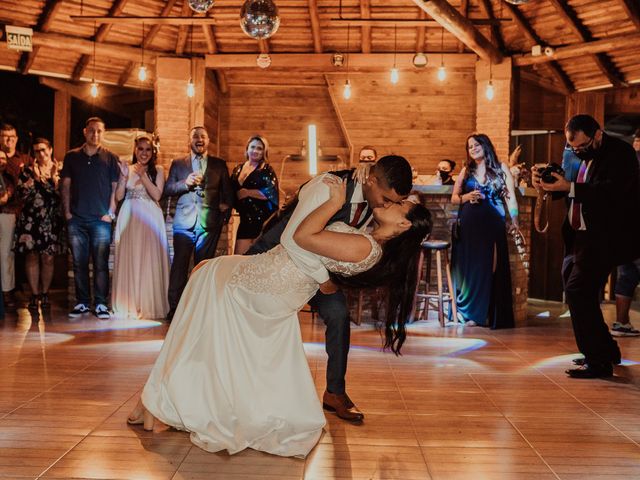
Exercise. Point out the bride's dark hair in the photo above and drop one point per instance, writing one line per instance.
(397, 270)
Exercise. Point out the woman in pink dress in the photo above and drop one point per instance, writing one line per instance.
(141, 269)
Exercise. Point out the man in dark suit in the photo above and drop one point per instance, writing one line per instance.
(600, 231)
(205, 197)
(389, 182)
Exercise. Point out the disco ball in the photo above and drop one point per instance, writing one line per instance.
(259, 18)
(517, 2)
(200, 6)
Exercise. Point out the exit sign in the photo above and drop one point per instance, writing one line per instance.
(19, 38)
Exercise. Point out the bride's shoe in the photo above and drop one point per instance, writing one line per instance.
(141, 416)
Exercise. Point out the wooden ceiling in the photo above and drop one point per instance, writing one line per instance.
(595, 41)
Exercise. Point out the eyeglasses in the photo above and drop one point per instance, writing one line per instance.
(40, 150)
(582, 147)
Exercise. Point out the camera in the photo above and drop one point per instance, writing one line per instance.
(546, 171)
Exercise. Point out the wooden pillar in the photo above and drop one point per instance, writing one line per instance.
(62, 123)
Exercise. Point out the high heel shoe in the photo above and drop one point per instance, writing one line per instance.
(44, 301)
(33, 303)
(141, 416)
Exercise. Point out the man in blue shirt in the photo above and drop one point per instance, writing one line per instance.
(89, 178)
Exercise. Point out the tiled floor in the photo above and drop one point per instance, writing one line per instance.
(461, 403)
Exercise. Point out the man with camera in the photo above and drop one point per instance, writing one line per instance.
(600, 231)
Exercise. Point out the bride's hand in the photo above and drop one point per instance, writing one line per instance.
(361, 172)
(337, 190)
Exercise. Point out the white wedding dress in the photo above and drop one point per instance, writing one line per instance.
(232, 370)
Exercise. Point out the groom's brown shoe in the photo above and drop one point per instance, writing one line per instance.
(343, 406)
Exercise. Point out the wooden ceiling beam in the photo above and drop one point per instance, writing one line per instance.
(495, 28)
(100, 36)
(421, 33)
(147, 40)
(314, 17)
(464, 10)
(126, 73)
(84, 46)
(210, 38)
(161, 20)
(601, 59)
(447, 16)
(365, 29)
(580, 49)
(45, 20)
(183, 30)
(632, 9)
(523, 25)
(81, 92)
(323, 61)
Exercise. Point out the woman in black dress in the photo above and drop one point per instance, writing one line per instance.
(39, 226)
(256, 189)
(480, 257)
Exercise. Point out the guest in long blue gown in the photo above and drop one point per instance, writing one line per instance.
(480, 258)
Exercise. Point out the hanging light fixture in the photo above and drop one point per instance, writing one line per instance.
(517, 2)
(490, 91)
(142, 71)
(346, 93)
(395, 75)
(94, 85)
(442, 72)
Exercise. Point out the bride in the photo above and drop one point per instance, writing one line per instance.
(232, 370)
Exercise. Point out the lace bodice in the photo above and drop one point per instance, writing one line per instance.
(272, 272)
(349, 268)
(275, 273)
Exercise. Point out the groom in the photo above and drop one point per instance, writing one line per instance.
(389, 182)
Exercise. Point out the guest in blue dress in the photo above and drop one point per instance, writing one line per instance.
(480, 258)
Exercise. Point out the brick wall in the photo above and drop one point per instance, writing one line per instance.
(493, 117)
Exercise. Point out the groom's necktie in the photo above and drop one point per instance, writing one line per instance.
(358, 214)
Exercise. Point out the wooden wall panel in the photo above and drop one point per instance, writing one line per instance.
(281, 115)
(538, 108)
(420, 118)
(591, 103)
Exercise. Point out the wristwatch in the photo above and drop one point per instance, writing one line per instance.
(112, 216)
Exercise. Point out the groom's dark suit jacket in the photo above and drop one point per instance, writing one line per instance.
(274, 227)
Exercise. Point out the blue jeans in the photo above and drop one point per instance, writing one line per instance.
(628, 278)
(90, 237)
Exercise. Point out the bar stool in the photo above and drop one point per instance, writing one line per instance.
(441, 249)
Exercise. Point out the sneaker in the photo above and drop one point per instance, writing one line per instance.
(102, 312)
(624, 330)
(78, 310)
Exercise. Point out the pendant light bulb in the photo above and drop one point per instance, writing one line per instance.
(442, 73)
(395, 75)
(94, 90)
(490, 91)
(346, 93)
(142, 73)
(191, 89)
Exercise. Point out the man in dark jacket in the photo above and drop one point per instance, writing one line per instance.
(600, 231)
